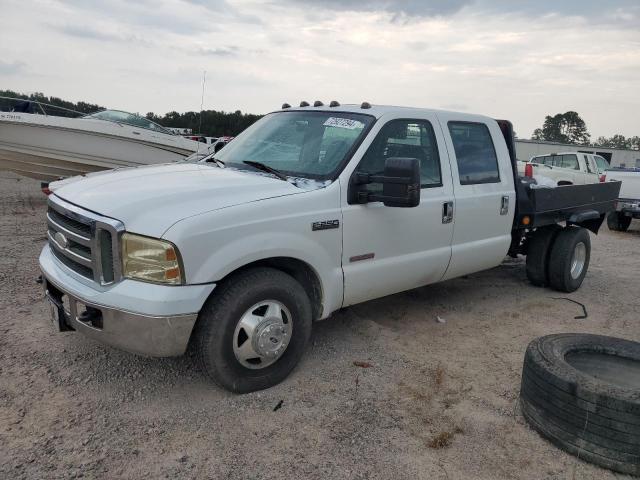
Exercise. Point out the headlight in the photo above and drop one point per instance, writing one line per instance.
(150, 260)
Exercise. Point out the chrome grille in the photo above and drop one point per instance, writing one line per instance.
(84, 241)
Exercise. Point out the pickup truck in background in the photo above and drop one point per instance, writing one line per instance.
(628, 205)
(308, 211)
(566, 168)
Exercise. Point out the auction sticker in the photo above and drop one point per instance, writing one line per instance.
(343, 123)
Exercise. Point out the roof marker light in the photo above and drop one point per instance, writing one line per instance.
(285, 105)
(304, 104)
(334, 104)
(318, 103)
(365, 105)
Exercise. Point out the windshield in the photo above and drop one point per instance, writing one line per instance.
(129, 119)
(298, 143)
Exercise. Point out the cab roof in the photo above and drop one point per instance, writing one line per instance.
(379, 111)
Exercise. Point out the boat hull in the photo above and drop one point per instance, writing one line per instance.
(56, 150)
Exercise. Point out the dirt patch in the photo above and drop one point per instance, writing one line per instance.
(437, 401)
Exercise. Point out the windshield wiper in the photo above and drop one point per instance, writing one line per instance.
(266, 168)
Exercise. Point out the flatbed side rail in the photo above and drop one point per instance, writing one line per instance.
(584, 205)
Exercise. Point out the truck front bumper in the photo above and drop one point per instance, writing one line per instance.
(142, 318)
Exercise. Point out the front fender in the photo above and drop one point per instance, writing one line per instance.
(218, 243)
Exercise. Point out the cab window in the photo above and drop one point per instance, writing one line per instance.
(409, 139)
(569, 161)
(475, 153)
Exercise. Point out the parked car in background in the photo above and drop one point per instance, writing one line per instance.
(566, 168)
(628, 205)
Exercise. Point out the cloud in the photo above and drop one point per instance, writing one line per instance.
(86, 33)
(228, 51)
(419, 8)
(167, 17)
(622, 12)
(12, 68)
(223, 9)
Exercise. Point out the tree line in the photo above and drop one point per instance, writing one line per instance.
(214, 123)
(569, 127)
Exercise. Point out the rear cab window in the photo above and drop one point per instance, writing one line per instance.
(475, 153)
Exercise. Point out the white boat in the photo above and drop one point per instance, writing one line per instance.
(48, 147)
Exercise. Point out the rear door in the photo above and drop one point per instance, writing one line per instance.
(484, 193)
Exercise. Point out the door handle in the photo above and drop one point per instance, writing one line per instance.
(504, 205)
(447, 212)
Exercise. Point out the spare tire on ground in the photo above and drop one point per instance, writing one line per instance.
(582, 392)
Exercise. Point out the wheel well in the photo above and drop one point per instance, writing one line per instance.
(301, 271)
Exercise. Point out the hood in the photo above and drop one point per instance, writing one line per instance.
(148, 200)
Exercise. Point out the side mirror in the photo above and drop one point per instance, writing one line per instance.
(400, 184)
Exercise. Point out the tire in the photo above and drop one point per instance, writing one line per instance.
(538, 251)
(596, 418)
(569, 259)
(618, 222)
(219, 329)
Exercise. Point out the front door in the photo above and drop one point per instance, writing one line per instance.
(389, 249)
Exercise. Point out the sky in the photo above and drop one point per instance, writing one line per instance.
(506, 59)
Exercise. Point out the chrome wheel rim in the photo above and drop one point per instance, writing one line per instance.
(262, 335)
(578, 260)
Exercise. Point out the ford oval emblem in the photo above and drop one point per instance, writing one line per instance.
(61, 239)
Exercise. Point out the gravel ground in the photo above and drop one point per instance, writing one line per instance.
(439, 401)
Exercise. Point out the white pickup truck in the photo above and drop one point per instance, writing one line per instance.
(309, 210)
(628, 205)
(566, 168)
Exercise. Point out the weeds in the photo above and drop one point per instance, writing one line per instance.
(441, 440)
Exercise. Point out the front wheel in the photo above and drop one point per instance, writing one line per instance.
(569, 259)
(253, 331)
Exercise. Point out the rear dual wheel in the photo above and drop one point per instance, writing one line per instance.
(558, 257)
(538, 252)
(569, 259)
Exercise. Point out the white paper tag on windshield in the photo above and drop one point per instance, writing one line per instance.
(343, 123)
